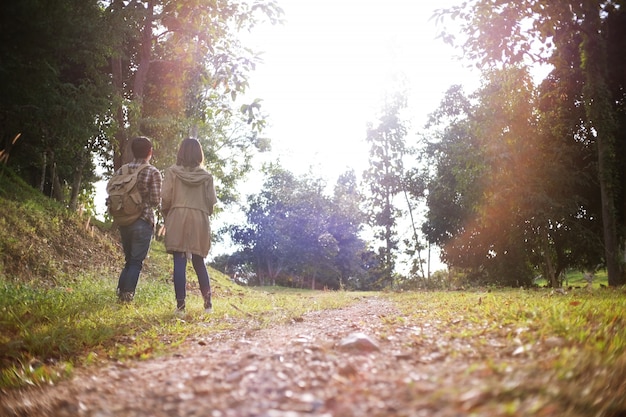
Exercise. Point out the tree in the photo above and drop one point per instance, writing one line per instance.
(345, 224)
(384, 180)
(261, 238)
(54, 94)
(296, 235)
(510, 193)
(455, 187)
(568, 175)
(475, 199)
(177, 65)
(414, 190)
(508, 34)
(80, 78)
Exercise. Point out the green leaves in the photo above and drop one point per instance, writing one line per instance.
(297, 235)
(519, 163)
(384, 177)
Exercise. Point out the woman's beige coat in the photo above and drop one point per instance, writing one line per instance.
(188, 198)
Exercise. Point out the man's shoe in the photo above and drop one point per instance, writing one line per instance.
(126, 297)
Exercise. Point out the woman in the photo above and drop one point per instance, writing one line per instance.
(188, 198)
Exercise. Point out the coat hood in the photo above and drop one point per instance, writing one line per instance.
(191, 176)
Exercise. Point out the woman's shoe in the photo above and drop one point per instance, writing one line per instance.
(208, 306)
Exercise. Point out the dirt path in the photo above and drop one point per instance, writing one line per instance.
(307, 368)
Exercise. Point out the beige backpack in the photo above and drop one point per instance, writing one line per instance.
(124, 202)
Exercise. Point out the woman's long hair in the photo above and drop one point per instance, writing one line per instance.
(190, 153)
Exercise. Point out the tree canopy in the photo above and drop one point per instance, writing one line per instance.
(83, 77)
(528, 180)
(296, 235)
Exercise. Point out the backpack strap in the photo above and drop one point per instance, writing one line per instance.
(125, 169)
(136, 171)
(141, 167)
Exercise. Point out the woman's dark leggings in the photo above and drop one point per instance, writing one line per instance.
(180, 278)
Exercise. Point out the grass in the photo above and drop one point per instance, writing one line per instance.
(46, 332)
(575, 278)
(567, 346)
(593, 319)
(43, 242)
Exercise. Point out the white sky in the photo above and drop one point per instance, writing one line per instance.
(326, 68)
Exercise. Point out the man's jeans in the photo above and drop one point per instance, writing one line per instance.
(136, 239)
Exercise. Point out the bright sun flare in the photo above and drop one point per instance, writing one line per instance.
(325, 70)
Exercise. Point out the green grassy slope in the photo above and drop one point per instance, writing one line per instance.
(42, 242)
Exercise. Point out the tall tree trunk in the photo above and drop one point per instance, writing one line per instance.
(599, 112)
(56, 188)
(549, 268)
(387, 260)
(77, 179)
(418, 247)
(122, 151)
(145, 54)
(44, 167)
(428, 262)
(120, 141)
(141, 75)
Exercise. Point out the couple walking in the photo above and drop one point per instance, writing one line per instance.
(187, 196)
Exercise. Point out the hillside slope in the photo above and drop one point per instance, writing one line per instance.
(41, 241)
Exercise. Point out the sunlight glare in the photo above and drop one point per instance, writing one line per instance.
(325, 71)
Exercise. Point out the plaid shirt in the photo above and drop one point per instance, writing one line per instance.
(149, 186)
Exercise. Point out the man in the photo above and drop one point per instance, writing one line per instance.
(136, 237)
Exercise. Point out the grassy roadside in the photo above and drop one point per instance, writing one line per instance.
(46, 332)
(525, 350)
